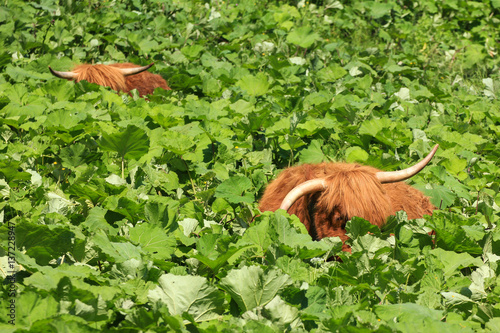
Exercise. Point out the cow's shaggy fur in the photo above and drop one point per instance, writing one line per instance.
(353, 190)
(108, 75)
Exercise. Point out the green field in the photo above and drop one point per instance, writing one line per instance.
(141, 215)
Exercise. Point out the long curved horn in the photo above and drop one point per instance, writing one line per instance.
(397, 176)
(319, 184)
(135, 70)
(64, 75)
(310, 186)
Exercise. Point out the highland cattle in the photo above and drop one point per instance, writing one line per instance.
(325, 196)
(120, 77)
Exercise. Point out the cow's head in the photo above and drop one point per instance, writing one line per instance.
(104, 75)
(348, 190)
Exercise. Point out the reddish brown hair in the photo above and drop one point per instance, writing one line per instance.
(110, 76)
(353, 190)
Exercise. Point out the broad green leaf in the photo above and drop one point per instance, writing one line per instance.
(254, 85)
(176, 142)
(379, 9)
(67, 119)
(193, 51)
(251, 286)
(117, 252)
(43, 242)
(332, 73)
(313, 153)
(410, 316)
(455, 165)
(356, 154)
(281, 313)
(74, 155)
(9, 170)
(129, 208)
(188, 294)
(440, 196)
(132, 143)
(233, 190)
(153, 239)
(452, 262)
(228, 257)
(60, 89)
(32, 306)
(303, 37)
(93, 190)
(161, 211)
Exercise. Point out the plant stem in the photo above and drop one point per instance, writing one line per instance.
(191, 179)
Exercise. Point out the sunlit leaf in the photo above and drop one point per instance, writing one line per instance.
(132, 143)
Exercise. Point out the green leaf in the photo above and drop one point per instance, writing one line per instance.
(117, 252)
(162, 211)
(9, 170)
(281, 313)
(192, 51)
(452, 262)
(379, 9)
(410, 316)
(43, 242)
(293, 240)
(93, 190)
(228, 257)
(303, 37)
(154, 240)
(125, 206)
(440, 196)
(251, 286)
(74, 155)
(188, 294)
(254, 85)
(356, 154)
(132, 143)
(32, 306)
(313, 153)
(331, 73)
(177, 142)
(62, 90)
(234, 188)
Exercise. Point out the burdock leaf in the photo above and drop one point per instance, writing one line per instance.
(250, 286)
(74, 155)
(303, 37)
(119, 252)
(32, 306)
(153, 239)
(254, 85)
(233, 190)
(188, 294)
(176, 142)
(9, 170)
(132, 143)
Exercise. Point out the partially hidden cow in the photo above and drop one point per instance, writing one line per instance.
(325, 196)
(120, 77)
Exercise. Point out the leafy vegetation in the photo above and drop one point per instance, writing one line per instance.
(139, 214)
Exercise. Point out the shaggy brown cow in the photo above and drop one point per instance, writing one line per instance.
(324, 196)
(120, 77)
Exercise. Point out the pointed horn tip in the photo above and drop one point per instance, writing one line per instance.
(396, 176)
(63, 75)
(135, 70)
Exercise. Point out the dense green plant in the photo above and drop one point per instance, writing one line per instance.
(136, 214)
